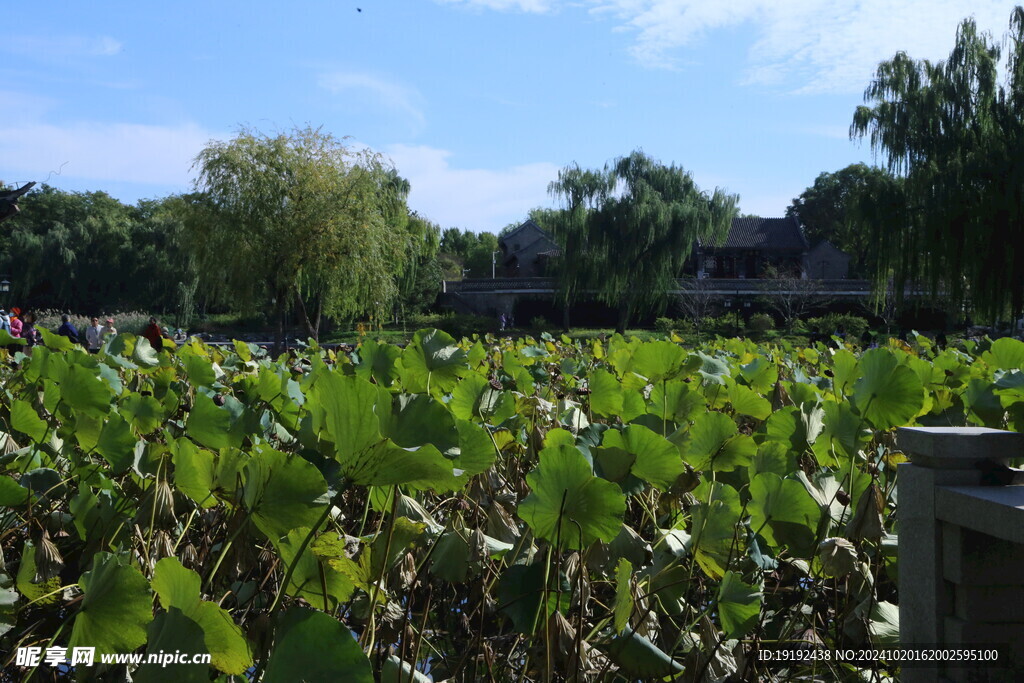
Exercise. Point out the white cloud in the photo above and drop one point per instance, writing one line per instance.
(393, 96)
(474, 198)
(533, 6)
(124, 152)
(805, 46)
(46, 48)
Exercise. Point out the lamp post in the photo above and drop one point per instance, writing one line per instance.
(5, 289)
(493, 262)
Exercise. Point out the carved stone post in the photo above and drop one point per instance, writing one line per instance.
(945, 519)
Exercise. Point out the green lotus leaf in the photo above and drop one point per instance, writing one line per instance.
(53, 341)
(888, 395)
(172, 631)
(178, 588)
(194, 472)
(432, 362)
(843, 434)
(199, 369)
(143, 412)
(760, 374)
(773, 456)
(282, 492)
(520, 593)
(983, 405)
(739, 605)
(714, 523)
(26, 421)
(7, 340)
(208, 424)
(676, 401)
(116, 607)
(655, 458)
(85, 392)
(568, 504)
(40, 590)
(322, 586)
(474, 398)
(117, 443)
(712, 443)
(712, 370)
(746, 402)
(640, 658)
(476, 450)
(377, 361)
(319, 646)
(350, 413)
(784, 513)
(418, 419)
(658, 361)
(12, 494)
(1006, 353)
(87, 430)
(144, 354)
(795, 426)
(605, 393)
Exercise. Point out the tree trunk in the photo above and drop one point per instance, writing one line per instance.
(279, 341)
(305, 315)
(565, 318)
(623, 318)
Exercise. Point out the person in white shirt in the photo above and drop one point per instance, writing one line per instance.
(94, 335)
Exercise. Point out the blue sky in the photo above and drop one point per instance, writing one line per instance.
(478, 102)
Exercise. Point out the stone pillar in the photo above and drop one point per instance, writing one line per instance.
(941, 458)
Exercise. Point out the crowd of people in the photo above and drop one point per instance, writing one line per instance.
(22, 325)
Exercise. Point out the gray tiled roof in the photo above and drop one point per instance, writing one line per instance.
(764, 233)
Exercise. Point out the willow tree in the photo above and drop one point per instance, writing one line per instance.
(298, 220)
(626, 231)
(955, 135)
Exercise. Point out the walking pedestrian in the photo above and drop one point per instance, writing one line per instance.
(67, 329)
(94, 335)
(108, 330)
(154, 334)
(16, 322)
(5, 321)
(29, 332)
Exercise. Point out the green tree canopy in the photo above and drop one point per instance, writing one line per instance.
(472, 250)
(300, 219)
(956, 135)
(833, 209)
(626, 231)
(88, 252)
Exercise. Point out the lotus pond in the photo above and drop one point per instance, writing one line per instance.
(475, 510)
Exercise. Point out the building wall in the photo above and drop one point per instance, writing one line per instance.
(825, 262)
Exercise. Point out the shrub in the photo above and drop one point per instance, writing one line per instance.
(539, 322)
(664, 325)
(761, 322)
(723, 324)
(843, 323)
(460, 325)
(685, 326)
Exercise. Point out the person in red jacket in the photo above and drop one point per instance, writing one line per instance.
(154, 334)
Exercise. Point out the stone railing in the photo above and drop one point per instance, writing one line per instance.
(961, 547)
(720, 287)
